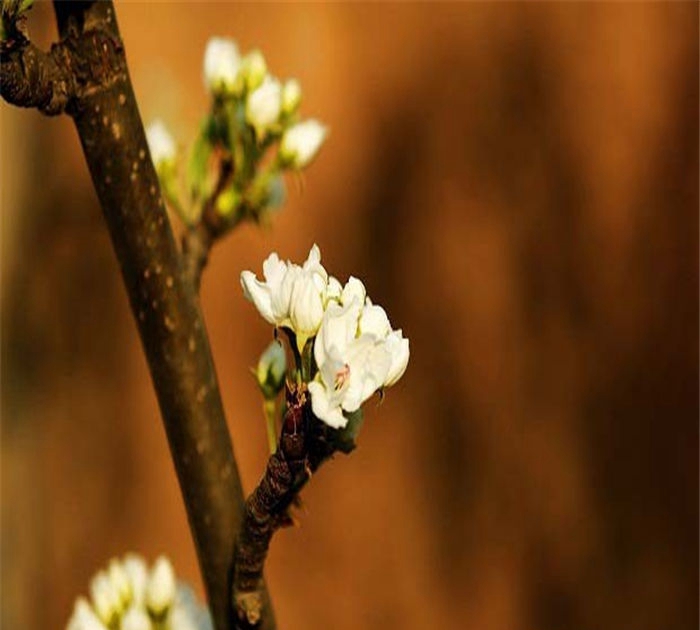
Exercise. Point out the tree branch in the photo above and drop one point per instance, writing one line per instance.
(303, 447)
(87, 76)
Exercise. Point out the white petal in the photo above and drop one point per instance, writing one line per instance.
(306, 308)
(398, 348)
(105, 598)
(338, 328)
(83, 617)
(259, 294)
(323, 408)
(135, 619)
(119, 580)
(221, 64)
(264, 104)
(354, 290)
(374, 321)
(160, 143)
(333, 289)
(282, 295)
(274, 269)
(137, 572)
(160, 590)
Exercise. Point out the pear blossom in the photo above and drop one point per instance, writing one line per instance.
(84, 618)
(253, 70)
(160, 143)
(351, 367)
(290, 296)
(119, 600)
(291, 96)
(105, 597)
(301, 142)
(160, 590)
(397, 345)
(221, 65)
(263, 105)
(135, 619)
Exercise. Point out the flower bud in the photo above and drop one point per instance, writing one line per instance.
(160, 590)
(137, 572)
(253, 70)
(291, 97)
(119, 580)
(301, 142)
(84, 618)
(136, 619)
(160, 144)
(221, 65)
(105, 598)
(271, 370)
(263, 106)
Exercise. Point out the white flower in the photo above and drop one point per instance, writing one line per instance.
(291, 96)
(307, 303)
(353, 290)
(160, 143)
(105, 598)
(160, 590)
(83, 617)
(137, 572)
(263, 105)
(351, 367)
(253, 70)
(301, 142)
(221, 65)
(291, 295)
(120, 580)
(334, 290)
(136, 619)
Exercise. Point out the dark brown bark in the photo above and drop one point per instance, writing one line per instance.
(164, 301)
(303, 447)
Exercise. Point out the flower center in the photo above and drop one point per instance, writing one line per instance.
(342, 376)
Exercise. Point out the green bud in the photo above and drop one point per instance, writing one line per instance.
(271, 370)
(227, 202)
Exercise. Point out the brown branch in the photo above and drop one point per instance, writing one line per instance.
(100, 98)
(303, 447)
(30, 77)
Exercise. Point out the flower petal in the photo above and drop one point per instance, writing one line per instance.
(323, 407)
(259, 294)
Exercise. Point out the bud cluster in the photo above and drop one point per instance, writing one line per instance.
(128, 596)
(344, 346)
(252, 134)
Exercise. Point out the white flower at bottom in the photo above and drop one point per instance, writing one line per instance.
(160, 590)
(160, 143)
(136, 619)
(105, 597)
(84, 618)
(397, 345)
(137, 571)
(221, 64)
(301, 142)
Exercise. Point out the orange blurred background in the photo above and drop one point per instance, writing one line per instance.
(518, 185)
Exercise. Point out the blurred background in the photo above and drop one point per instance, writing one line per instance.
(518, 186)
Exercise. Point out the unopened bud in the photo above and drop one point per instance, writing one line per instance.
(263, 105)
(160, 590)
(291, 97)
(301, 142)
(271, 370)
(221, 65)
(253, 70)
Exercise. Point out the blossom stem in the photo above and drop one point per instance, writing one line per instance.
(270, 411)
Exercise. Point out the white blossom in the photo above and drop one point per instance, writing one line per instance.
(290, 295)
(105, 597)
(160, 143)
(301, 142)
(160, 590)
(291, 96)
(263, 105)
(120, 580)
(83, 617)
(397, 345)
(221, 65)
(137, 571)
(136, 618)
(253, 70)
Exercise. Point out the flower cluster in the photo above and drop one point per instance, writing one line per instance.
(345, 347)
(253, 115)
(128, 596)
